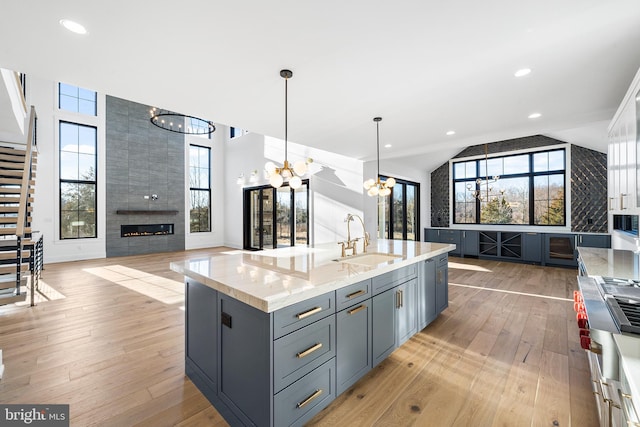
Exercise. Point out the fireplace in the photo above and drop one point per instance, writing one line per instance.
(145, 230)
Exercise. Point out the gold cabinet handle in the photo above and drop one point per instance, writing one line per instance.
(397, 299)
(357, 309)
(309, 351)
(357, 294)
(309, 313)
(401, 298)
(305, 402)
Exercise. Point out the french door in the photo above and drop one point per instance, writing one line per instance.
(276, 217)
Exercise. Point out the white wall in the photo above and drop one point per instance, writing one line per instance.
(43, 94)
(335, 184)
(217, 144)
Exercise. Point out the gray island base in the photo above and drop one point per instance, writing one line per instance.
(282, 365)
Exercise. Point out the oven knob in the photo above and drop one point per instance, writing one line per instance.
(585, 342)
(578, 306)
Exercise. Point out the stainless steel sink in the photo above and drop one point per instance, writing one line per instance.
(369, 259)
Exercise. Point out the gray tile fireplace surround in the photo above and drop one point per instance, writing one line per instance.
(142, 160)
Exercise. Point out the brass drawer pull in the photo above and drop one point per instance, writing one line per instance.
(309, 313)
(357, 294)
(357, 309)
(309, 351)
(309, 399)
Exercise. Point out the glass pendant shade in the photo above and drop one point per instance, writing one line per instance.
(276, 180)
(376, 187)
(295, 182)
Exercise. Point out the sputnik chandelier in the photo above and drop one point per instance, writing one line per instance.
(376, 187)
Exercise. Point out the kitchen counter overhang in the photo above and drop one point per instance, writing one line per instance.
(273, 279)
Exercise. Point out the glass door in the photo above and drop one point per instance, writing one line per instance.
(275, 218)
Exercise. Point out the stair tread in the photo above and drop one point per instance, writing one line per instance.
(13, 209)
(14, 190)
(12, 165)
(12, 230)
(10, 150)
(12, 299)
(8, 282)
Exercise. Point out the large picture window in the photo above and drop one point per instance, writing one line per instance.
(76, 99)
(77, 180)
(199, 189)
(530, 189)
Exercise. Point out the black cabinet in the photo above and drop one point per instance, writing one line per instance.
(469, 243)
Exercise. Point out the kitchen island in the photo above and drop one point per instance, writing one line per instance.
(272, 337)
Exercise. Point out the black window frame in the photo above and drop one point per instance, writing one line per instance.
(389, 227)
(200, 189)
(62, 181)
(531, 175)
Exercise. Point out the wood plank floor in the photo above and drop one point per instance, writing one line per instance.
(505, 352)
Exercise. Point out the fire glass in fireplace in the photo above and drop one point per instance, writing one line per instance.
(146, 230)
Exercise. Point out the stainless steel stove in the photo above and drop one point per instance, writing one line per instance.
(622, 297)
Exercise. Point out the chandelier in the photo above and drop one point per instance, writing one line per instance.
(484, 189)
(288, 172)
(377, 187)
(180, 123)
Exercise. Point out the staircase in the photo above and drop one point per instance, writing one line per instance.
(20, 255)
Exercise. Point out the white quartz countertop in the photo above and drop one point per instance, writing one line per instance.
(629, 350)
(617, 263)
(272, 279)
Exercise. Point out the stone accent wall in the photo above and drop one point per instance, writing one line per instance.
(142, 160)
(440, 204)
(588, 190)
(588, 184)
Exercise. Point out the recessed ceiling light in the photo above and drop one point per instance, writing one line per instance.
(534, 115)
(73, 26)
(522, 72)
(451, 132)
(387, 146)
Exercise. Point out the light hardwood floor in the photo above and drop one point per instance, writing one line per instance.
(505, 352)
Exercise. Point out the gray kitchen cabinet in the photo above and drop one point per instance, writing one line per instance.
(443, 235)
(426, 293)
(201, 330)
(354, 348)
(406, 311)
(282, 368)
(593, 240)
(532, 247)
(469, 243)
(442, 283)
(383, 327)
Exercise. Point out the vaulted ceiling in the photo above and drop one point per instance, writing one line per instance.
(427, 67)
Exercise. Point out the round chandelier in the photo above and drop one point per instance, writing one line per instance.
(377, 187)
(181, 123)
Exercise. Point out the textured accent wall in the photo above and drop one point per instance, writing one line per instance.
(588, 182)
(588, 190)
(440, 196)
(142, 160)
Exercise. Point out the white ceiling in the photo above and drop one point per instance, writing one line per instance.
(425, 66)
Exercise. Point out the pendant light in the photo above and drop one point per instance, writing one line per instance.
(277, 176)
(375, 187)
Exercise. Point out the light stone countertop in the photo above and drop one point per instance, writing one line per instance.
(617, 263)
(275, 278)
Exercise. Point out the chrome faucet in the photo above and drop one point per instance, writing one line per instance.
(351, 243)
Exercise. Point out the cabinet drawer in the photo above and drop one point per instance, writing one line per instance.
(302, 351)
(299, 402)
(442, 260)
(353, 294)
(298, 315)
(393, 278)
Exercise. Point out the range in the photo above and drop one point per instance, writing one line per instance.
(622, 297)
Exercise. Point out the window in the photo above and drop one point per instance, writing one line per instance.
(276, 217)
(199, 189)
(530, 189)
(233, 132)
(76, 99)
(77, 180)
(401, 211)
